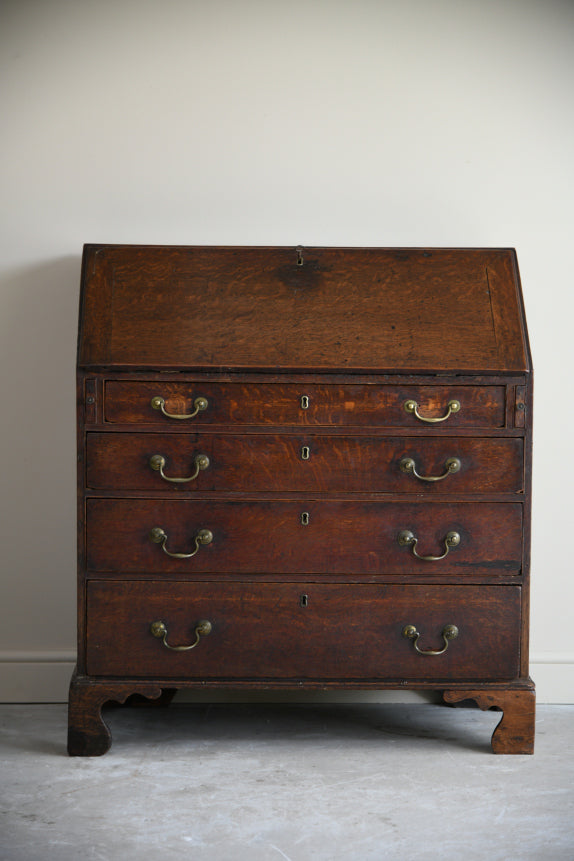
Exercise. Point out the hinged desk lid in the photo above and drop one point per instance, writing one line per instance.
(302, 309)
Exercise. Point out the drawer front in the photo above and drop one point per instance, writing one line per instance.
(302, 462)
(300, 404)
(302, 631)
(320, 537)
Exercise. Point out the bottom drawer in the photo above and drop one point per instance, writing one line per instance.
(266, 631)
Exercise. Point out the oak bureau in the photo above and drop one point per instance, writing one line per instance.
(303, 468)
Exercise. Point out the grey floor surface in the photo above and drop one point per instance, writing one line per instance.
(297, 782)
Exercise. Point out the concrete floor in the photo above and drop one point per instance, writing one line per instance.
(269, 782)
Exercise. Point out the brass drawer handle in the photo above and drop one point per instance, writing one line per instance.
(200, 404)
(449, 632)
(452, 465)
(407, 538)
(159, 536)
(157, 462)
(159, 630)
(413, 407)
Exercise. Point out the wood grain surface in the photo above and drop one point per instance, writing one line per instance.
(264, 630)
(257, 462)
(310, 308)
(280, 404)
(268, 537)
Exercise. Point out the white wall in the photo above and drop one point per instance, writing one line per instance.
(350, 122)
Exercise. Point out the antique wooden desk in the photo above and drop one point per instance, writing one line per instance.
(303, 468)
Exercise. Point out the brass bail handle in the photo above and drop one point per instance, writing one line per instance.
(159, 630)
(451, 465)
(200, 404)
(406, 538)
(449, 632)
(157, 463)
(159, 536)
(413, 407)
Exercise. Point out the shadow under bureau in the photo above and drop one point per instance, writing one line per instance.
(303, 468)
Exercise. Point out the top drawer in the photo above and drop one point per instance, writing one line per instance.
(199, 403)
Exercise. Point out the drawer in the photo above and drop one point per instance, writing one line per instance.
(302, 631)
(314, 536)
(302, 462)
(128, 402)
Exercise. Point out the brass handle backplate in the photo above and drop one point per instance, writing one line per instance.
(159, 536)
(412, 407)
(200, 404)
(406, 538)
(449, 632)
(408, 465)
(157, 463)
(159, 630)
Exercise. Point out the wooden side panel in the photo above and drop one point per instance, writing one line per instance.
(95, 324)
(505, 303)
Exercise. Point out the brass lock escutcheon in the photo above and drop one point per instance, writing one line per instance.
(449, 632)
(157, 463)
(159, 629)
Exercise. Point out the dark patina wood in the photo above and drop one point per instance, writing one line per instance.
(514, 733)
(267, 536)
(88, 733)
(250, 462)
(324, 309)
(319, 631)
(306, 359)
(280, 404)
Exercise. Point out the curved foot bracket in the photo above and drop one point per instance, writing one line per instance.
(88, 734)
(164, 700)
(515, 731)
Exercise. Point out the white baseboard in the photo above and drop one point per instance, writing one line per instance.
(35, 677)
(44, 677)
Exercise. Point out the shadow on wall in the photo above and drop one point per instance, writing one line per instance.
(38, 324)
